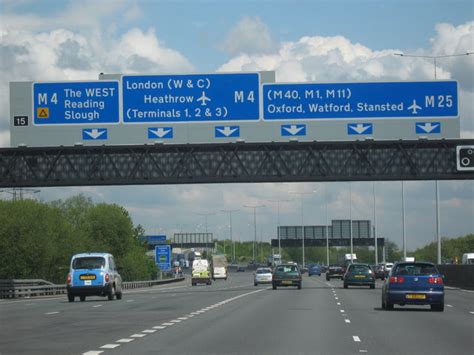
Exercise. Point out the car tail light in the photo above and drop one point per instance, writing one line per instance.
(69, 279)
(435, 280)
(397, 279)
(107, 278)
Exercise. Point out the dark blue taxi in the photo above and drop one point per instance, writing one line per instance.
(413, 283)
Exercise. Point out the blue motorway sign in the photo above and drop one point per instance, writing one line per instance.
(360, 100)
(293, 130)
(163, 257)
(428, 128)
(359, 128)
(190, 98)
(95, 102)
(155, 239)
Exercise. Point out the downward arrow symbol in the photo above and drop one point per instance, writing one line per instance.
(428, 127)
(227, 131)
(160, 132)
(94, 133)
(293, 129)
(360, 128)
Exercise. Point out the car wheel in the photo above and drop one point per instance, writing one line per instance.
(274, 287)
(193, 284)
(118, 295)
(70, 298)
(345, 285)
(388, 306)
(383, 303)
(111, 294)
(255, 284)
(437, 307)
(299, 287)
(328, 278)
(82, 298)
(372, 286)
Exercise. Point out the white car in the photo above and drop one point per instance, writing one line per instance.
(219, 272)
(388, 268)
(263, 275)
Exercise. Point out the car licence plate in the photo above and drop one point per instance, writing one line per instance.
(360, 276)
(416, 296)
(286, 282)
(87, 277)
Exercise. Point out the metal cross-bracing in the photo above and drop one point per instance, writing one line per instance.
(231, 162)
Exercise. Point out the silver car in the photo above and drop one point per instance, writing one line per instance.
(263, 275)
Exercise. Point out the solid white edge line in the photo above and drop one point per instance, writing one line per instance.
(356, 338)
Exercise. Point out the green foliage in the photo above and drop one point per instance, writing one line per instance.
(37, 240)
(451, 249)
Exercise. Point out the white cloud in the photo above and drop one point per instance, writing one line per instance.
(250, 36)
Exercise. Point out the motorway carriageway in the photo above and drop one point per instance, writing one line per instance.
(235, 317)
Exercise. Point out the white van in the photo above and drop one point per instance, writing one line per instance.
(468, 258)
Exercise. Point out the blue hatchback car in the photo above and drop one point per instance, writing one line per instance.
(414, 283)
(314, 270)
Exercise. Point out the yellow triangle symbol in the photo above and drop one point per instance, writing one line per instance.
(42, 112)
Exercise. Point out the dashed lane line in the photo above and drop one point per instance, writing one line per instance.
(341, 310)
(159, 327)
(137, 335)
(93, 353)
(50, 313)
(356, 338)
(97, 306)
(362, 351)
(110, 346)
(338, 303)
(149, 331)
(167, 324)
(125, 340)
(471, 312)
(449, 305)
(347, 320)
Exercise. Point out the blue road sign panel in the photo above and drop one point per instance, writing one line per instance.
(94, 134)
(190, 98)
(293, 130)
(428, 127)
(155, 239)
(160, 132)
(226, 131)
(95, 102)
(359, 128)
(360, 100)
(163, 257)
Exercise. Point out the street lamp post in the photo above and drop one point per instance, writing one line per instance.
(230, 232)
(254, 225)
(278, 221)
(435, 58)
(302, 220)
(205, 222)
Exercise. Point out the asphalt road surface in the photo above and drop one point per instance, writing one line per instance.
(235, 317)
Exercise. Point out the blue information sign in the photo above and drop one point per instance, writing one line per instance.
(163, 257)
(156, 239)
(95, 102)
(360, 100)
(190, 98)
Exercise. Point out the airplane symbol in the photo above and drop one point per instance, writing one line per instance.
(414, 107)
(203, 99)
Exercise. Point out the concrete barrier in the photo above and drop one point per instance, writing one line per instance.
(461, 276)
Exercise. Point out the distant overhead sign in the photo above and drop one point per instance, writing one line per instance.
(360, 100)
(95, 102)
(190, 98)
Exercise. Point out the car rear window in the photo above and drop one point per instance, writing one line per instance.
(90, 262)
(287, 268)
(358, 268)
(415, 269)
(264, 271)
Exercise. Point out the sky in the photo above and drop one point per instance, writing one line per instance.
(319, 41)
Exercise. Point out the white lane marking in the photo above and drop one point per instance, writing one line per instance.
(362, 351)
(125, 340)
(149, 331)
(97, 306)
(194, 313)
(347, 320)
(110, 346)
(183, 318)
(130, 301)
(449, 305)
(137, 335)
(49, 313)
(167, 324)
(175, 321)
(95, 352)
(338, 303)
(336, 298)
(471, 312)
(159, 327)
(341, 310)
(356, 338)
(190, 316)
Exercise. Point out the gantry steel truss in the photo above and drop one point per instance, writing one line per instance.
(231, 163)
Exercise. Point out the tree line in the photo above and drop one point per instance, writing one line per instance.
(37, 239)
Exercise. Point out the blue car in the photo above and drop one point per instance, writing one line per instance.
(413, 283)
(314, 270)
